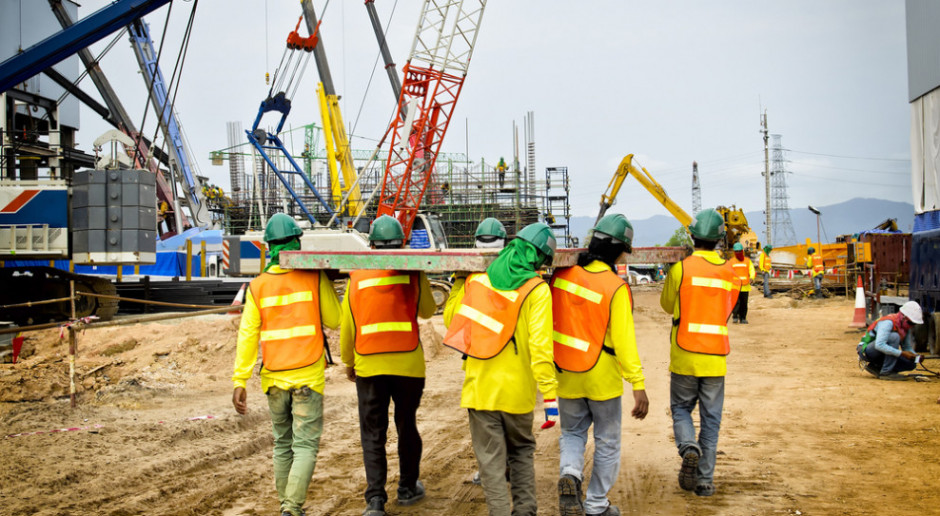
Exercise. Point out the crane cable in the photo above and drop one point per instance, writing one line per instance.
(175, 79)
(140, 128)
(283, 80)
(372, 75)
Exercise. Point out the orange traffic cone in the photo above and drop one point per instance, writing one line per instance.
(859, 320)
(239, 299)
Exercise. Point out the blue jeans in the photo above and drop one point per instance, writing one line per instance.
(766, 277)
(817, 284)
(576, 416)
(709, 392)
(297, 418)
(889, 363)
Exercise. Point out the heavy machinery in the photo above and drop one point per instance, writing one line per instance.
(49, 210)
(735, 221)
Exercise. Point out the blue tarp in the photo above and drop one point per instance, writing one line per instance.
(169, 263)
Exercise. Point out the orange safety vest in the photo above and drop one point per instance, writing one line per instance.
(817, 265)
(289, 304)
(486, 319)
(581, 314)
(765, 263)
(895, 322)
(384, 305)
(741, 269)
(707, 295)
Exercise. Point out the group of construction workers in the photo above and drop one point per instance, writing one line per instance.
(570, 337)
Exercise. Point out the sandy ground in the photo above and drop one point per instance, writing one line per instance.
(804, 431)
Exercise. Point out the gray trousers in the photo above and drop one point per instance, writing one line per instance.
(500, 438)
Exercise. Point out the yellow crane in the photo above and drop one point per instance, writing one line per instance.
(338, 151)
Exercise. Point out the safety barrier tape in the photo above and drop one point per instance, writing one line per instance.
(78, 428)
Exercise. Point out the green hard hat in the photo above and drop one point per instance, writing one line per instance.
(280, 227)
(386, 228)
(708, 225)
(768, 248)
(541, 236)
(737, 246)
(811, 250)
(617, 226)
(491, 227)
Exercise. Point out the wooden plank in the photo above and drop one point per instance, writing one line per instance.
(448, 260)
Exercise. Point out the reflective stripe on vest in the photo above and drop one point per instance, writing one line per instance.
(707, 295)
(289, 305)
(486, 319)
(384, 306)
(580, 315)
(818, 265)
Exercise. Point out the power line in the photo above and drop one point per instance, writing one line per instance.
(848, 157)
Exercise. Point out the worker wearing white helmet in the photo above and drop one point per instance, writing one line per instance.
(887, 349)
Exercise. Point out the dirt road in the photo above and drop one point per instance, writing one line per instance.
(804, 431)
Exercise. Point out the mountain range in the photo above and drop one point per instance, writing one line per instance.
(847, 217)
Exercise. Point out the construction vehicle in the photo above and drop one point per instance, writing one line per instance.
(49, 210)
(737, 229)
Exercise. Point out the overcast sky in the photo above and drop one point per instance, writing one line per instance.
(670, 81)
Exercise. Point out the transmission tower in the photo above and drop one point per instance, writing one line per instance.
(782, 225)
(696, 190)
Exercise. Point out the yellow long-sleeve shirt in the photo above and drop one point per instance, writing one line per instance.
(680, 360)
(604, 380)
(410, 363)
(765, 263)
(249, 332)
(508, 381)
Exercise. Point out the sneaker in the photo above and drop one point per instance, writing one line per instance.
(866, 366)
(688, 473)
(897, 377)
(705, 489)
(288, 513)
(611, 510)
(743, 321)
(569, 496)
(476, 478)
(410, 495)
(734, 320)
(376, 507)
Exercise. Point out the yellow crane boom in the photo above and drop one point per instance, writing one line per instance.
(337, 150)
(643, 176)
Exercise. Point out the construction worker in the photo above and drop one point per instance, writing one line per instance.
(380, 346)
(284, 311)
(815, 262)
(744, 268)
(887, 348)
(501, 320)
(764, 263)
(501, 169)
(700, 293)
(490, 234)
(594, 351)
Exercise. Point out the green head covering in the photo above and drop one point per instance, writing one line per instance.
(275, 251)
(515, 265)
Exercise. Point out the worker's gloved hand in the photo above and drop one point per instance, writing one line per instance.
(551, 413)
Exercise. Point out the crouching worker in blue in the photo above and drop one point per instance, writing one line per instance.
(887, 349)
(284, 311)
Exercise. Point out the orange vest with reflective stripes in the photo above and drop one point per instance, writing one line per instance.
(895, 322)
(384, 306)
(765, 262)
(707, 295)
(486, 319)
(581, 313)
(818, 265)
(742, 270)
(291, 336)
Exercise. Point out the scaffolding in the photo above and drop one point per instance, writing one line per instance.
(462, 193)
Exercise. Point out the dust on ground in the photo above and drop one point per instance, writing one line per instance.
(804, 431)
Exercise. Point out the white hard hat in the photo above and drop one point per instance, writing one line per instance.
(912, 311)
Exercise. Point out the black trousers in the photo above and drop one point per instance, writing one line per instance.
(375, 393)
(740, 309)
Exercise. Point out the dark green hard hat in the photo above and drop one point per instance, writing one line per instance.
(708, 225)
(768, 248)
(617, 226)
(386, 228)
(541, 236)
(280, 227)
(737, 247)
(811, 250)
(491, 227)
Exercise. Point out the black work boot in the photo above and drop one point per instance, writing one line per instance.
(376, 507)
(569, 496)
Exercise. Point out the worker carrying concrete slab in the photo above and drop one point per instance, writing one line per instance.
(887, 348)
(595, 351)
(284, 313)
(380, 346)
(700, 293)
(501, 320)
(744, 268)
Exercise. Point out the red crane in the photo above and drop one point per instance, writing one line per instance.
(433, 78)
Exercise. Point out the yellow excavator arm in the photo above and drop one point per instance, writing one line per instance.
(626, 167)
